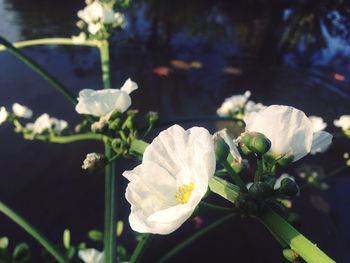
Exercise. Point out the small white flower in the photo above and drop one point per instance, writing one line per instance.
(289, 130)
(317, 123)
(45, 123)
(279, 180)
(102, 102)
(233, 104)
(91, 13)
(3, 115)
(91, 255)
(230, 142)
(79, 38)
(93, 161)
(119, 19)
(21, 111)
(343, 122)
(252, 106)
(94, 28)
(171, 181)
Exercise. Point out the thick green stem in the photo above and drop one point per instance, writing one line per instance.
(238, 181)
(259, 169)
(33, 232)
(38, 69)
(140, 248)
(51, 41)
(71, 138)
(289, 236)
(110, 217)
(217, 208)
(193, 238)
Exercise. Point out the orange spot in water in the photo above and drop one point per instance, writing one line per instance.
(338, 77)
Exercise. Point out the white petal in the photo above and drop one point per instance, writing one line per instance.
(317, 123)
(21, 111)
(174, 158)
(288, 129)
(321, 142)
(279, 180)
(91, 255)
(3, 115)
(343, 122)
(129, 86)
(230, 142)
(102, 102)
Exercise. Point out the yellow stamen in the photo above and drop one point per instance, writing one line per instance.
(184, 192)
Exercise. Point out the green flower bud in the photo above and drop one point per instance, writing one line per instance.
(152, 116)
(238, 167)
(245, 149)
(21, 252)
(259, 143)
(246, 138)
(288, 187)
(285, 160)
(221, 150)
(260, 190)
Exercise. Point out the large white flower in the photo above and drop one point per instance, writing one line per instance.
(3, 114)
(291, 133)
(45, 122)
(102, 102)
(233, 104)
(91, 255)
(343, 122)
(171, 181)
(21, 111)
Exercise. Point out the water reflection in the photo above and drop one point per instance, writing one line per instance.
(187, 56)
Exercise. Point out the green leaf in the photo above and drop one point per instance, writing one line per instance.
(4, 242)
(223, 188)
(95, 235)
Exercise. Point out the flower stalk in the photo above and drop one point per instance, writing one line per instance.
(110, 214)
(33, 232)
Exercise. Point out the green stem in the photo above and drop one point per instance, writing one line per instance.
(32, 231)
(193, 238)
(218, 208)
(51, 41)
(259, 169)
(289, 236)
(336, 171)
(71, 138)
(38, 69)
(238, 181)
(110, 215)
(140, 248)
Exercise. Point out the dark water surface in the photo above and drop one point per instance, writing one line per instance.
(240, 44)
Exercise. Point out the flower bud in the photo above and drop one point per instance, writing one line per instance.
(245, 149)
(221, 150)
(285, 160)
(94, 161)
(238, 167)
(259, 143)
(152, 117)
(288, 187)
(260, 190)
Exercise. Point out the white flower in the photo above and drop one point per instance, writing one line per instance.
(102, 102)
(252, 106)
(233, 104)
(289, 130)
(321, 140)
(119, 19)
(44, 122)
(317, 123)
(21, 111)
(230, 142)
(279, 180)
(94, 28)
(93, 161)
(343, 122)
(91, 13)
(79, 38)
(3, 115)
(171, 181)
(91, 255)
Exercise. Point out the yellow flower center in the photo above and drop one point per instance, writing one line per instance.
(184, 192)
